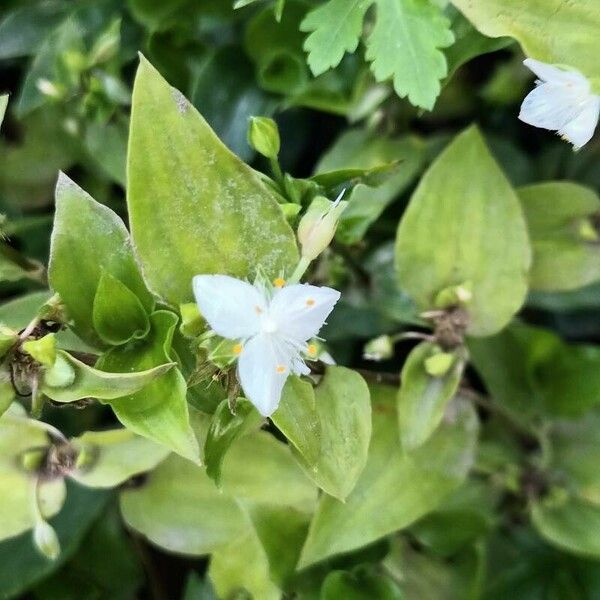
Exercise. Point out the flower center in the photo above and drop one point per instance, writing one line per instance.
(269, 325)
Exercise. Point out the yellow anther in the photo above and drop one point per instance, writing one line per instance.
(279, 282)
(280, 368)
(237, 349)
(258, 309)
(310, 302)
(311, 350)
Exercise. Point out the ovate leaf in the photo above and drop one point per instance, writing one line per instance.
(464, 224)
(113, 456)
(553, 31)
(98, 239)
(404, 45)
(336, 27)
(422, 398)
(118, 315)
(159, 411)
(194, 206)
(566, 247)
(395, 488)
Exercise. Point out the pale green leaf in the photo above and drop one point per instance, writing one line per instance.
(336, 28)
(464, 224)
(566, 248)
(194, 206)
(113, 456)
(395, 488)
(3, 105)
(94, 234)
(159, 411)
(553, 31)
(404, 45)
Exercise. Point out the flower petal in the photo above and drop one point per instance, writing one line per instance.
(263, 368)
(550, 106)
(300, 310)
(232, 307)
(554, 74)
(580, 130)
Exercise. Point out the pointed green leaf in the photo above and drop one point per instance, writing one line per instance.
(566, 246)
(404, 45)
(109, 458)
(159, 411)
(94, 234)
(43, 350)
(224, 429)
(3, 105)
(423, 398)
(117, 314)
(395, 488)
(553, 31)
(336, 28)
(69, 380)
(464, 224)
(194, 206)
(572, 524)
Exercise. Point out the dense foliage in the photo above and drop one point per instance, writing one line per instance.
(167, 432)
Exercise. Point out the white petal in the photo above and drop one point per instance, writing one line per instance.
(550, 106)
(554, 74)
(300, 310)
(580, 130)
(232, 307)
(263, 368)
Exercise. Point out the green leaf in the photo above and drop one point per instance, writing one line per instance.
(158, 412)
(361, 584)
(193, 200)
(18, 434)
(566, 246)
(3, 105)
(544, 28)
(422, 398)
(336, 28)
(117, 314)
(464, 224)
(340, 428)
(361, 149)
(114, 456)
(223, 430)
(98, 238)
(404, 45)
(572, 524)
(70, 379)
(395, 488)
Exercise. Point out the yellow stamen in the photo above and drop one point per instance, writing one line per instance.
(279, 282)
(258, 309)
(280, 369)
(310, 302)
(311, 350)
(237, 349)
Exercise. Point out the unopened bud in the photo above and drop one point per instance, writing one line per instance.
(380, 348)
(50, 89)
(263, 136)
(42, 350)
(455, 295)
(46, 540)
(438, 364)
(318, 225)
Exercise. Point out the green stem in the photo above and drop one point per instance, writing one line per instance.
(299, 271)
(277, 172)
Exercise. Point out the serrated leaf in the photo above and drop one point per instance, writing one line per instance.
(395, 488)
(559, 215)
(159, 411)
(464, 224)
(70, 380)
(114, 456)
(553, 31)
(404, 45)
(194, 206)
(336, 28)
(422, 399)
(98, 238)
(117, 313)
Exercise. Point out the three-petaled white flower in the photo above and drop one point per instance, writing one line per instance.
(562, 101)
(272, 326)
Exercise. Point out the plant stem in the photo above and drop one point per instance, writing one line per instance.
(299, 271)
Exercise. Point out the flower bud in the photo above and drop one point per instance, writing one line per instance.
(380, 348)
(318, 225)
(439, 363)
(46, 540)
(43, 350)
(263, 136)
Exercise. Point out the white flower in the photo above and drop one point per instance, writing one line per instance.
(562, 101)
(272, 325)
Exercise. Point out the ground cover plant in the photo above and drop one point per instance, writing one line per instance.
(300, 299)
